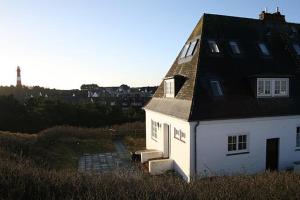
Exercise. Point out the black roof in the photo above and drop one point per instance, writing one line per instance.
(236, 74)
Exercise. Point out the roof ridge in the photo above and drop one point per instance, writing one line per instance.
(199, 49)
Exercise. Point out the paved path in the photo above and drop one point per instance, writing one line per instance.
(106, 162)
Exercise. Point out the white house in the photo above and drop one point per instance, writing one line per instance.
(230, 103)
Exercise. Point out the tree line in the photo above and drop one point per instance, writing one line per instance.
(36, 114)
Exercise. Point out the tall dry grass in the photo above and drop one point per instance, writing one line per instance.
(22, 181)
(22, 177)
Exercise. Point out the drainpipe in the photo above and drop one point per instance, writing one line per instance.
(195, 147)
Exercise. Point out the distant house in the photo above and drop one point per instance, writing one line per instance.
(91, 87)
(230, 103)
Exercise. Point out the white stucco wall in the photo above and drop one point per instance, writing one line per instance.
(179, 151)
(212, 144)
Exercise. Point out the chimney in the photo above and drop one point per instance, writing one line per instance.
(272, 17)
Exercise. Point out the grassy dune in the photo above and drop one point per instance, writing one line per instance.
(41, 166)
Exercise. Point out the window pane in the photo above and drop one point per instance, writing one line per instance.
(234, 47)
(242, 142)
(283, 87)
(260, 87)
(231, 143)
(182, 136)
(277, 87)
(297, 48)
(267, 87)
(213, 46)
(154, 126)
(192, 48)
(184, 50)
(263, 48)
(176, 133)
(169, 88)
(216, 89)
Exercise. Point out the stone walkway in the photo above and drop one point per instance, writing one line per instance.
(106, 162)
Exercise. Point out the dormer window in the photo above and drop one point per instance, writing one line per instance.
(213, 46)
(235, 47)
(184, 50)
(294, 30)
(263, 49)
(297, 49)
(169, 88)
(216, 88)
(192, 48)
(189, 49)
(272, 87)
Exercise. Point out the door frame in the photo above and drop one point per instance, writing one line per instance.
(167, 139)
(269, 157)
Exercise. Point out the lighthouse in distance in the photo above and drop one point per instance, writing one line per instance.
(19, 83)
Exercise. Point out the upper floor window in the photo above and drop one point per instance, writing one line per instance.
(234, 47)
(189, 49)
(297, 48)
(192, 48)
(270, 87)
(264, 49)
(216, 88)
(213, 46)
(169, 88)
(237, 143)
(184, 50)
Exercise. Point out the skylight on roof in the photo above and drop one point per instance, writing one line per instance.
(263, 48)
(297, 48)
(234, 47)
(216, 88)
(192, 48)
(294, 29)
(213, 46)
(184, 50)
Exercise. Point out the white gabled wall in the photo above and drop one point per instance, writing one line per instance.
(179, 151)
(212, 144)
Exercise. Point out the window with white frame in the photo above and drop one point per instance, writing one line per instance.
(154, 129)
(176, 133)
(237, 143)
(179, 134)
(235, 47)
(272, 87)
(297, 48)
(213, 46)
(298, 138)
(264, 49)
(169, 88)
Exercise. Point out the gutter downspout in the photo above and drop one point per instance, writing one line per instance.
(195, 148)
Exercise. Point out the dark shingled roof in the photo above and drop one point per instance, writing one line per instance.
(236, 74)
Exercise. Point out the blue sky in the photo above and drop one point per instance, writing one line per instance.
(65, 43)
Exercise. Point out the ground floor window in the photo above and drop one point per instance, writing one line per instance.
(154, 129)
(179, 134)
(237, 143)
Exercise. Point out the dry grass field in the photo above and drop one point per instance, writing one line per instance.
(41, 166)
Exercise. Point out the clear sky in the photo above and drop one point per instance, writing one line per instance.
(65, 43)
